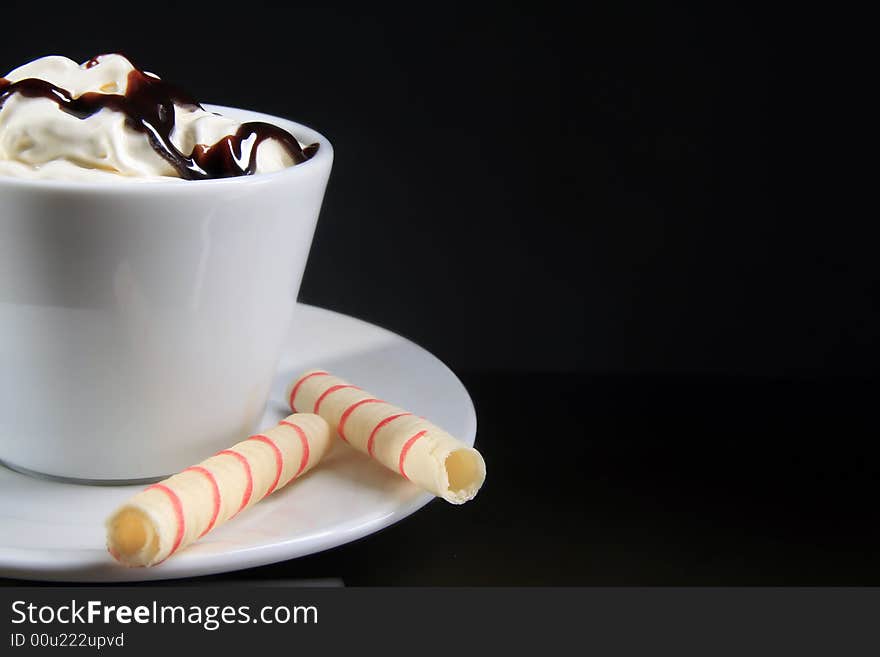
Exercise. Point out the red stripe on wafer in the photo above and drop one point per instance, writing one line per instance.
(331, 389)
(304, 460)
(406, 447)
(279, 459)
(381, 424)
(296, 386)
(249, 488)
(215, 492)
(178, 514)
(348, 411)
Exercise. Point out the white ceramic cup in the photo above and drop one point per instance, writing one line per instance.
(141, 323)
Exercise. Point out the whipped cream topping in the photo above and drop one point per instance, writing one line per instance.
(107, 120)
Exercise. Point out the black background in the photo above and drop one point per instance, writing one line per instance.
(619, 227)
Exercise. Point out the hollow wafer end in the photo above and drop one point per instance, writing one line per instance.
(132, 538)
(465, 473)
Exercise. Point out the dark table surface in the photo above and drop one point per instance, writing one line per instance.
(642, 480)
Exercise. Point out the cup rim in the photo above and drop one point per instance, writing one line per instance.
(304, 134)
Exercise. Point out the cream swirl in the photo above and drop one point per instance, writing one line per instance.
(107, 120)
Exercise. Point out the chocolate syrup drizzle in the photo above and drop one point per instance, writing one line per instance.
(148, 106)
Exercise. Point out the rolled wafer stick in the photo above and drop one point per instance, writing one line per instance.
(411, 446)
(166, 517)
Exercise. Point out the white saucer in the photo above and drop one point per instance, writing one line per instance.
(55, 531)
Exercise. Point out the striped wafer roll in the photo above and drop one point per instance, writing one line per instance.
(166, 517)
(411, 446)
